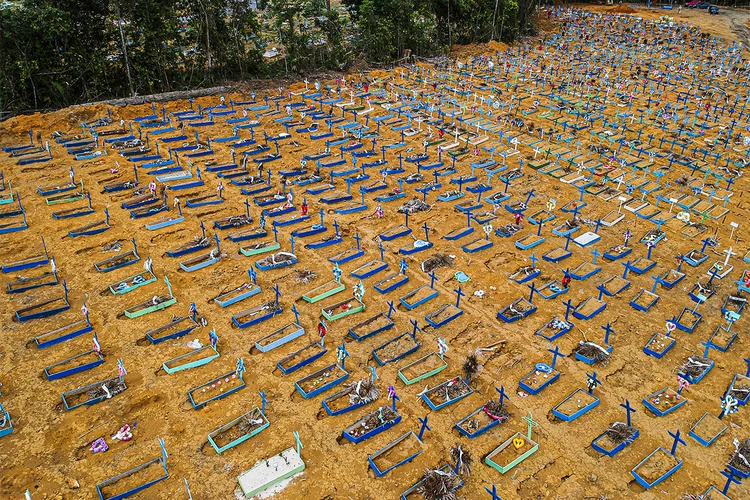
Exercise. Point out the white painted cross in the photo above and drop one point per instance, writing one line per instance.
(729, 253)
(734, 225)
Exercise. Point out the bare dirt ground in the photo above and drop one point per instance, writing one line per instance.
(49, 451)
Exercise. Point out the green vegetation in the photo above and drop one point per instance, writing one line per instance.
(54, 53)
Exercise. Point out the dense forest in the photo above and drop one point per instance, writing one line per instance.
(54, 53)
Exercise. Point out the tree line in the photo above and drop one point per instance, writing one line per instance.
(54, 53)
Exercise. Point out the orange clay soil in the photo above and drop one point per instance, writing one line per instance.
(43, 454)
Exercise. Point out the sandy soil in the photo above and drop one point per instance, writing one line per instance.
(49, 449)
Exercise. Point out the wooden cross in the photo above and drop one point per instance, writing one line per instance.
(322, 214)
(416, 328)
(459, 294)
(533, 257)
(596, 254)
(264, 402)
(424, 427)
(677, 440)
(403, 266)
(337, 272)
(357, 238)
(593, 382)
(342, 354)
(555, 354)
(336, 227)
(433, 278)
(493, 492)
(628, 267)
(426, 232)
(391, 308)
(276, 234)
(296, 313)
(729, 254)
(568, 306)
(730, 479)
(529, 420)
(532, 287)
(299, 443)
(502, 394)
(394, 397)
(277, 292)
(657, 281)
(628, 410)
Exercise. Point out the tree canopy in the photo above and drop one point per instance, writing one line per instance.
(54, 53)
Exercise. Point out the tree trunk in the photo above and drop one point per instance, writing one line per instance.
(124, 48)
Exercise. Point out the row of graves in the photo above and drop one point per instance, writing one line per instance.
(637, 127)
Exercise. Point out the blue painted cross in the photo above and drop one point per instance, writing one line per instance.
(391, 308)
(277, 292)
(299, 443)
(747, 360)
(568, 306)
(424, 427)
(373, 374)
(403, 266)
(714, 274)
(628, 267)
(336, 227)
(406, 219)
(253, 275)
(555, 354)
(730, 479)
(533, 257)
(607, 331)
(459, 294)
(528, 198)
(532, 287)
(650, 246)
(628, 410)
(296, 313)
(337, 272)
(322, 214)
(426, 232)
(394, 396)
(592, 382)
(502, 394)
(596, 254)
(382, 251)
(342, 354)
(416, 328)
(263, 401)
(493, 492)
(291, 240)
(433, 278)
(357, 238)
(708, 345)
(276, 234)
(657, 281)
(677, 440)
